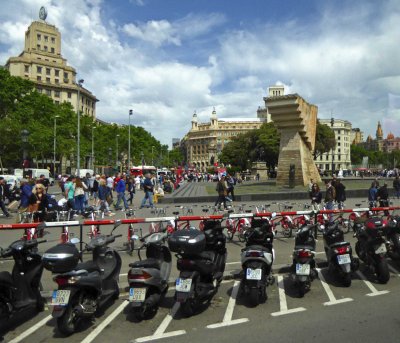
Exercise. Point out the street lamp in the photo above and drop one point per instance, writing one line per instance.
(54, 145)
(24, 139)
(109, 157)
(129, 141)
(333, 149)
(152, 155)
(117, 159)
(93, 128)
(78, 155)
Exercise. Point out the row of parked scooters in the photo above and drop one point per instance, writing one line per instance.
(84, 287)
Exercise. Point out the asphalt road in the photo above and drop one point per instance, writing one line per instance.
(368, 312)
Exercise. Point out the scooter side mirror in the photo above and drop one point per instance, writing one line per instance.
(75, 240)
(273, 215)
(135, 237)
(117, 223)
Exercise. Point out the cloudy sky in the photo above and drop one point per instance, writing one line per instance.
(167, 58)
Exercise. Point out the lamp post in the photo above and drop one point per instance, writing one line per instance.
(333, 149)
(117, 159)
(93, 128)
(109, 157)
(142, 155)
(152, 155)
(129, 141)
(54, 146)
(24, 139)
(78, 154)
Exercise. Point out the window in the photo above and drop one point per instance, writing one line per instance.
(69, 95)
(48, 92)
(56, 72)
(46, 38)
(52, 50)
(327, 157)
(57, 81)
(26, 69)
(38, 46)
(40, 90)
(48, 71)
(57, 94)
(65, 75)
(57, 102)
(338, 144)
(47, 79)
(45, 48)
(53, 40)
(39, 37)
(39, 78)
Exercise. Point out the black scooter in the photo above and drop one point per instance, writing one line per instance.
(20, 290)
(201, 261)
(85, 287)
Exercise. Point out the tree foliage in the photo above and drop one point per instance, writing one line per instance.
(22, 107)
(324, 139)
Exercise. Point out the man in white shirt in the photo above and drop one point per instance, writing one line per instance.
(110, 185)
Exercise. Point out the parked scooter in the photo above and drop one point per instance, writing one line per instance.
(20, 290)
(148, 279)
(201, 261)
(83, 287)
(303, 258)
(257, 258)
(371, 247)
(339, 253)
(392, 235)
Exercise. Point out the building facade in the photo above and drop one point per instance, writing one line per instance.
(340, 157)
(262, 112)
(357, 136)
(42, 63)
(205, 141)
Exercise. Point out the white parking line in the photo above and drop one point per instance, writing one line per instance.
(31, 330)
(227, 321)
(105, 322)
(374, 291)
(228, 263)
(329, 293)
(282, 301)
(394, 270)
(160, 332)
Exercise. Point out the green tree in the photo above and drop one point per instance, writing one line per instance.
(324, 139)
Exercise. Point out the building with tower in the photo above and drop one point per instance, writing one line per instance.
(205, 141)
(273, 91)
(42, 63)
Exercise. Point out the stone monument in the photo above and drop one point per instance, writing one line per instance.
(296, 120)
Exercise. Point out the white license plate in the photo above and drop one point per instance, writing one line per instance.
(60, 297)
(183, 285)
(381, 249)
(253, 274)
(137, 294)
(302, 269)
(343, 259)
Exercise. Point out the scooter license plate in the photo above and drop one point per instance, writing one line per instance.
(183, 285)
(343, 259)
(253, 274)
(381, 249)
(137, 294)
(302, 269)
(60, 297)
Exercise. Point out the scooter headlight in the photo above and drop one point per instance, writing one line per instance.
(74, 279)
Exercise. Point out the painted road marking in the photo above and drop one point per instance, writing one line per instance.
(394, 270)
(104, 323)
(160, 332)
(282, 301)
(227, 321)
(374, 291)
(31, 330)
(329, 293)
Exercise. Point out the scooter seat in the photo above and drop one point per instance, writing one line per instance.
(339, 244)
(301, 247)
(90, 266)
(147, 263)
(257, 247)
(6, 279)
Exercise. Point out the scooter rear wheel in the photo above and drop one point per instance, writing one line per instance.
(382, 271)
(188, 307)
(67, 323)
(346, 280)
(254, 296)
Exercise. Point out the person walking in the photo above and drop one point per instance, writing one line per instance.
(38, 203)
(222, 190)
(383, 197)
(110, 185)
(316, 197)
(103, 194)
(372, 194)
(120, 188)
(148, 189)
(340, 194)
(79, 195)
(131, 189)
(95, 190)
(396, 186)
(330, 196)
(69, 188)
(231, 186)
(25, 192)
(4, 193)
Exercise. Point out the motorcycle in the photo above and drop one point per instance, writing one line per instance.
(304, 271)
(371, 247)
(392, 235)
(201, 258)
(82, 287)
(20, 290)
(257, 258)
(148, 279)
(339, 253)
